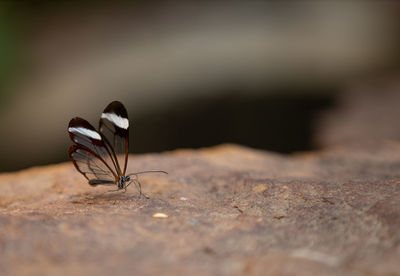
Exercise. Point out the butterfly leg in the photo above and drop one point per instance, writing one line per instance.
(139, 187)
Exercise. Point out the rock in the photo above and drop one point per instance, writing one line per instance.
(226, 210)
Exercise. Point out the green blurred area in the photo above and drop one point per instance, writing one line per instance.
(15, 19)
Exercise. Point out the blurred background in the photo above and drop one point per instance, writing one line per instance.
(284, 76)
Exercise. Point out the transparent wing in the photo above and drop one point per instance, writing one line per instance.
(92, 166)
(114, 128)
(85, 135)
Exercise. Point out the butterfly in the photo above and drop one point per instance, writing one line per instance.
(102, 156)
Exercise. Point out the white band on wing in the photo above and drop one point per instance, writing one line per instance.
(117, 120)
(84, 131)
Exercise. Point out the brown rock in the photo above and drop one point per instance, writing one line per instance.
(227, 210)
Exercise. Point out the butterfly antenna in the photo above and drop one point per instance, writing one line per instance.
(147, 172)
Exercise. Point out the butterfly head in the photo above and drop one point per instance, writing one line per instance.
(122, 181)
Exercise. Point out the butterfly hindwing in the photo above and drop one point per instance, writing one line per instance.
(91, 165)
(114, 128)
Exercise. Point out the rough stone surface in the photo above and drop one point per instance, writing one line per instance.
(230, 210)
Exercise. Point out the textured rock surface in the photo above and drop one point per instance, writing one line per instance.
(231, 210)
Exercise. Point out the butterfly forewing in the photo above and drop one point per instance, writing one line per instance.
(114, 128)
(91, 165)
(91, 156)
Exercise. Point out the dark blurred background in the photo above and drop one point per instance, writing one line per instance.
(268, 75)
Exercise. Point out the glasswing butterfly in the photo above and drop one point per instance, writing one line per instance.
(102, 156)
